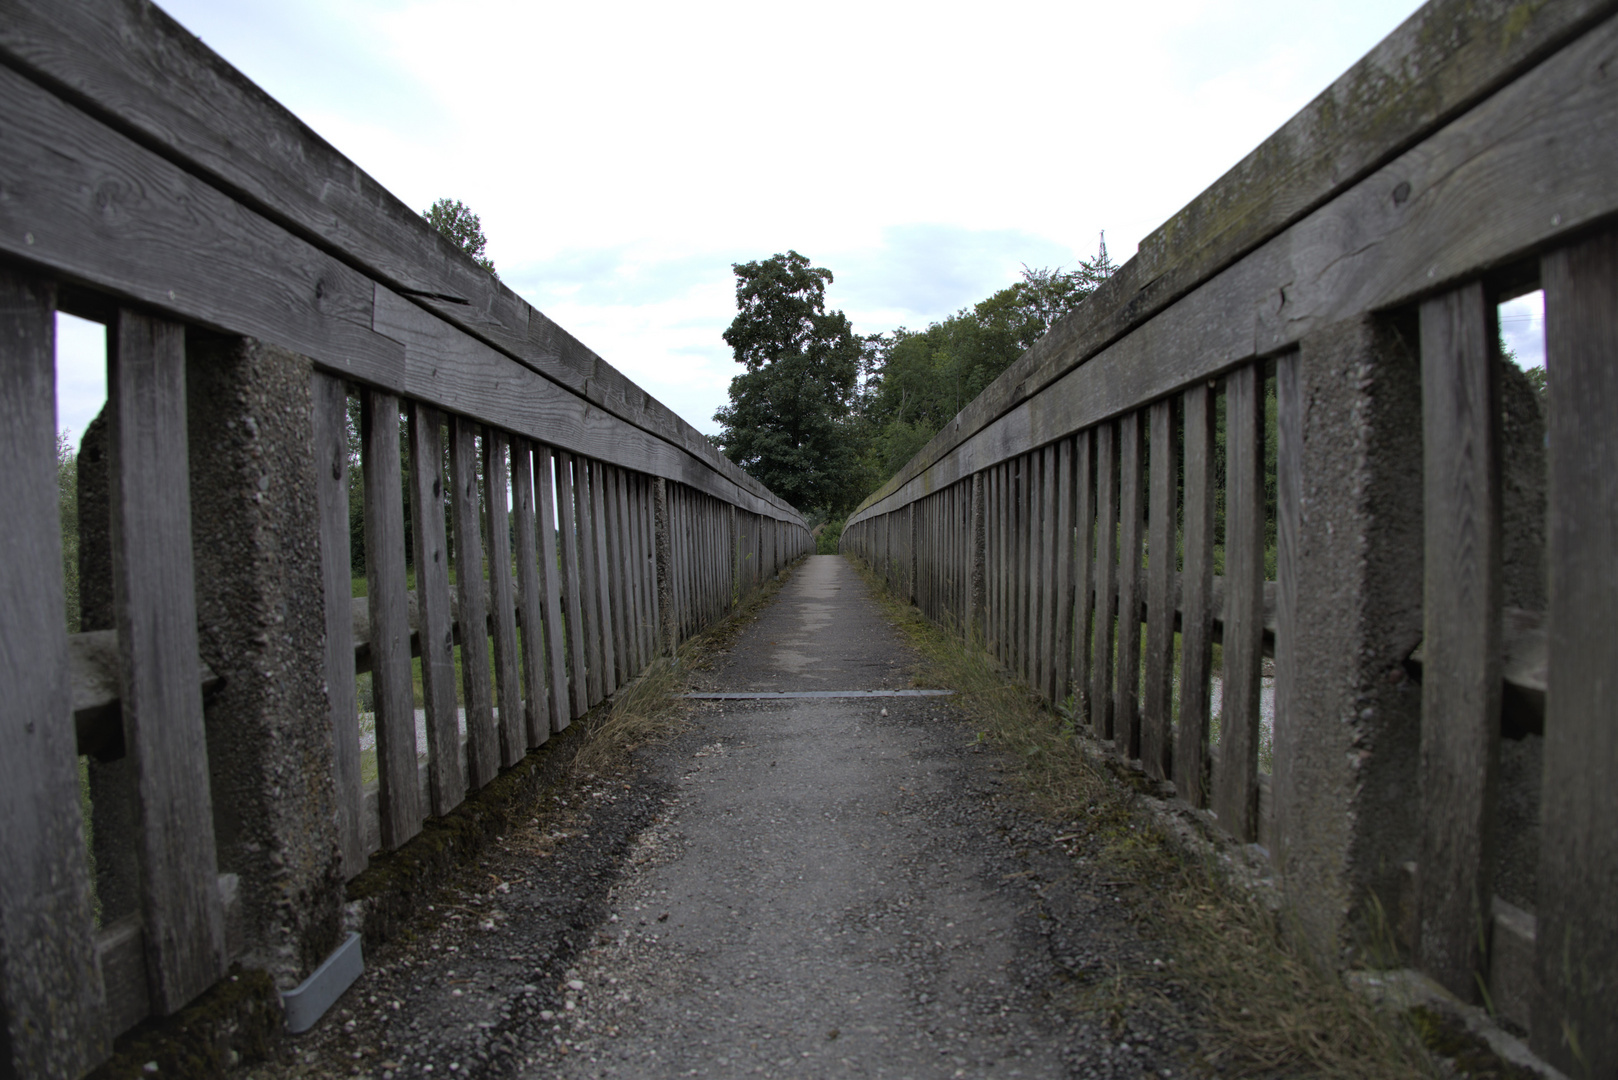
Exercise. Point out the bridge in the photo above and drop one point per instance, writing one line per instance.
(184, 786)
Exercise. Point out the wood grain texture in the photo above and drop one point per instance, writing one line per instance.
(551, 577)
(1460, 682)
(530, 610)
(616, 568)
(446, 782)
(155, 601)
(1062, 643)
(477, 690)
(1476, 198)
(1083, 572)
(1157, 705)
(1106, 574)
(398, 806)
(139, 71)
(1196, 598)
(502, 596)
(1289, 415)
(52, 1004)
(330, 403)
(1131, 511)
(1447, 57)
(1577, 940)
(1235, 775)
(568, 525)
(600, 526)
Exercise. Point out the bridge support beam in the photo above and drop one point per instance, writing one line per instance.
(1347, 730)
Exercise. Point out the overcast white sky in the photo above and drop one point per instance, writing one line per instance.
(623, 155)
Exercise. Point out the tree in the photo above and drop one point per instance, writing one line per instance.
(464, 229)
(789, 415)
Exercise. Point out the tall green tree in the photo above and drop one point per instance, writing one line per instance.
(464, 229)
(789, 418)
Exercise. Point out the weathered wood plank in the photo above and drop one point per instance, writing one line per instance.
(1106, 573)
(52, 1005)
(1235, 775)
(1528, 146)
(600, 527)
(1050, 546)
(155, 601)
(1083, 572)
(1131, 509)
(497, 536)
(1445, 58)
(1460, 685)
(1289, 410)
(398, 806)
(1577, 939)
(1196, 588)
(330, 403)
(567, 504)
(446, 782)
(551, 577)
(530, 610)
(1158, 703)
(477, 690)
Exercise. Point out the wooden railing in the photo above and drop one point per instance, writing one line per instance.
(1349, 272)
(256, 288)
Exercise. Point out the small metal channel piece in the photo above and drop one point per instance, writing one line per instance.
(309, 1002)
(773, 695)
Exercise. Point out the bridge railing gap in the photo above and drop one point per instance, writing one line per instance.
(525, 508)
(1299, 379)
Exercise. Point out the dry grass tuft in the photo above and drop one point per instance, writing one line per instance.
(1266, 1009)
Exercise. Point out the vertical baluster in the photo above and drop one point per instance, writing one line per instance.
(477, 691)
(1106, 546)
(1035, 531)
(1050, 546)
(330, 402)
(552, 578)
(1577, 943)
(587, 482)
(567, 503)
(446, 783)
(1083, 573)
(1196, 593)
(1289, 505)
(52, 1004)
(1235, 780)
(507, 677)
(1460, 686)
(1130, 506)
(537, 726)
(1157, 707)
(1062, 643)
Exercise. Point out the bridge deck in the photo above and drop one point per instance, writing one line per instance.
(791, 887)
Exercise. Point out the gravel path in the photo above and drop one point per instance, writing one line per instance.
(789, 888)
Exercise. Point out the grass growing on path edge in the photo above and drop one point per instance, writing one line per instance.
(1268, 1010)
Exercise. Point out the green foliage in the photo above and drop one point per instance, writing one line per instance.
(789, 419)
(830, 533)
(464, 229)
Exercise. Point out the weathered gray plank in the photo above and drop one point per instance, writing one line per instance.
(330, 402)
(477, 691)
(1106, 573)
(1131, 509)
(497, 536)
(386, 589)
(529, 607)
(1460, 685)
(550, 581)
(598, 603)
(155, 599)
(446, 783)
(1235, 775)
(567, 503)
(1050, 544)
(1083, 572)
(1158, 703)
(1062, 645)
(52, 1004)
(1289, 509)
(151, 79)
(1196, 588)
(1577, 939)
(1446, 57)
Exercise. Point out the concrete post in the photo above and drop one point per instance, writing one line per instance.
(1348, 732)
(261, 627)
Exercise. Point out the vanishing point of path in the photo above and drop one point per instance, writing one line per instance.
(794, 887)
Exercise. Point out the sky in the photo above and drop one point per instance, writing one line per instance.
(623, 156)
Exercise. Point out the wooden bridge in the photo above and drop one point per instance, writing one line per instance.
(1438, 626)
